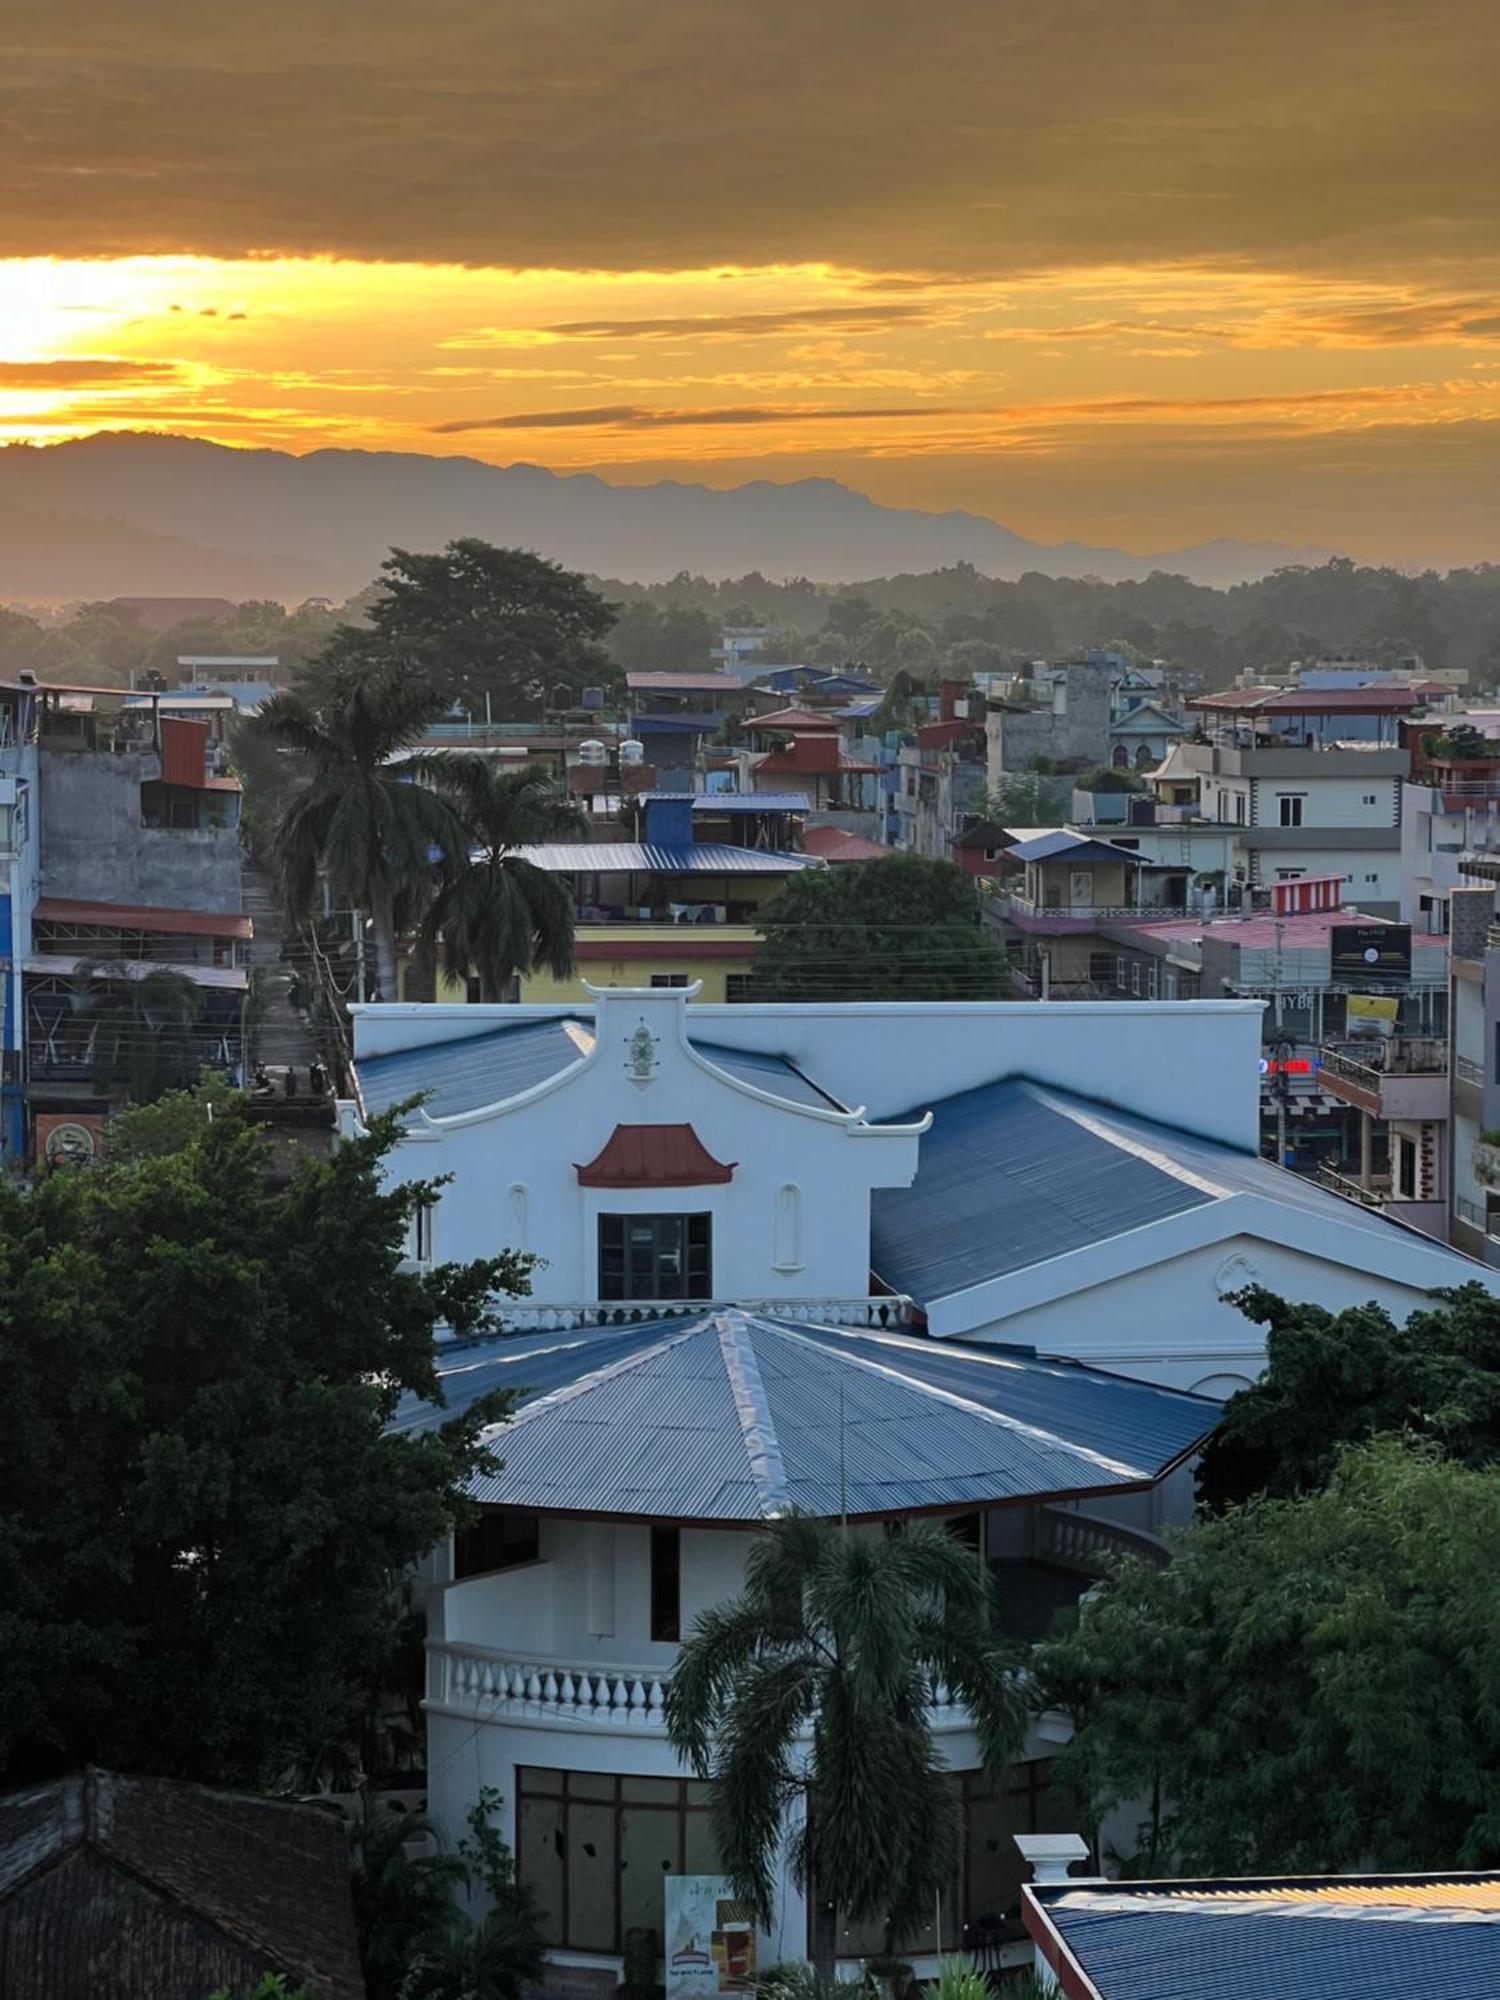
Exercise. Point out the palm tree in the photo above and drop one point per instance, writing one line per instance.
(361, 817)
(495, 913)
(814, 1687)
(137, 1026)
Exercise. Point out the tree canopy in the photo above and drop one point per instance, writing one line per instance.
(1333, 1379)
(901, 928)
(1312, 1685)
(478, 622)
(202, 1515)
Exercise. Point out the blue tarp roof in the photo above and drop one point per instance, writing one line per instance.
(471, 1071)
(735, 1417)
(1012, 1174)
(642, 857)
(1329, 1938)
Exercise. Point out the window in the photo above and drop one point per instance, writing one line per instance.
(655, 1257)
(1239, 808)
(737, 986)
(1368, 799)
(594, 1850)
(666, 1585)
(1290, 804)
(1406, 1170)
(669, 979)
(499, 1539)
(419, 1233)
(473, 991)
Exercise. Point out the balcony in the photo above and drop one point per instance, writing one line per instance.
(1048, 919)
(1406, 1077)
(1070, 1554)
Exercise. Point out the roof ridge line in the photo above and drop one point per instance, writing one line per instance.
(972, 1409)
(762, 1447)
(1099, 1126)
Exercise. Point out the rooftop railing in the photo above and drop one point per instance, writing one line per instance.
(886, 1309)
(1405, 1055)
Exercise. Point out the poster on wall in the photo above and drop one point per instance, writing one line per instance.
(1371, 1016)
(1369, 951)
(710, 1938)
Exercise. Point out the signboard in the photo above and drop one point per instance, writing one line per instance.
(68, 1139)
(710, 1938)
(1369, 951)
(1371, 1016)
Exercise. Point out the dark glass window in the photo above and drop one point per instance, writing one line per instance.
(666, 1584)
(655, 1257)
(499, 1539)
(595, 1851)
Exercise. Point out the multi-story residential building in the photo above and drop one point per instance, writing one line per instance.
(119, 853)
(972, 1253)
(1474, 961)
(1310, 782)
(676, 907)
(1065, 721)
(942, 776)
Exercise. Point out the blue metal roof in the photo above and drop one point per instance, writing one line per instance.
(641, 857)
(1013, 1173)
(778, 1074)
(735, 802)
(474, 1070)
(1329, 1938)
(487, 1067)
(734, 1417)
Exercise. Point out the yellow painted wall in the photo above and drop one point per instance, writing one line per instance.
(631, 969)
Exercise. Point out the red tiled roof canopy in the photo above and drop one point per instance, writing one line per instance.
(832, 844)
(640, 1156)
(811, 754)
(136, 917)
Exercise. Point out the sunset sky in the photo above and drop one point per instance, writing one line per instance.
(1137, 274)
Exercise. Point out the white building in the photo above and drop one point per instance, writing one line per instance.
(753, 1220)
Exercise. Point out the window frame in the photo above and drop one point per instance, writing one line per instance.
(614, 1276)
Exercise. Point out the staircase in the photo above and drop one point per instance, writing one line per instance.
(282, 1038)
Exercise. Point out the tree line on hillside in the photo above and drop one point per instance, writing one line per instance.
(954, 620)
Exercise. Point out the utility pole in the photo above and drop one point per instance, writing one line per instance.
(357, 922)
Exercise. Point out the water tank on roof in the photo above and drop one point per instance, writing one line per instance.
(562, 696)
(592, 752)
(592, 698)
(632, 752)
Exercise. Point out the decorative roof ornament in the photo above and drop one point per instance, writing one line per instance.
(641, 1062)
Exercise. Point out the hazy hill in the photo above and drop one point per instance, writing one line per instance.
(133, 512)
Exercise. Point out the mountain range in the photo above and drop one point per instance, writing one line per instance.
(145, 514)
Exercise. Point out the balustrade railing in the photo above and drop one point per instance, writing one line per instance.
(496, 1686)
(891, 1309)
(1468, 1071)
(1085, 1542)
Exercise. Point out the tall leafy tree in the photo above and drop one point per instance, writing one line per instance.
(138, 1028)
(358, 817)
(901, 928)
(479, 622)
(202, 1513)
(814, 1688)
(1333, 1379)
(496, 913)
(1312, 1685)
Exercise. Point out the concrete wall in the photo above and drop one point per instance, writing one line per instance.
(94, 847)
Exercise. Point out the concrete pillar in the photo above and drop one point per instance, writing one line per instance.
(1366, 1148)
(1051, 1856)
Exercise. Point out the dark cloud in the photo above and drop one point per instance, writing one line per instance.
(745, 325)
(969, 138)
(82, 371)
(634, 416)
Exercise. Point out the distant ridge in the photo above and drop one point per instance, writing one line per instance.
(140, 512)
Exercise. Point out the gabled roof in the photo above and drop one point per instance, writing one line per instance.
(794, 719)
(837, 848)
(733, 1417)
(491, 1065)
(1318, 1938)
(1148, 718)
(808, 755)
(1063, 844)
(1016, 1175)
(229, 1874)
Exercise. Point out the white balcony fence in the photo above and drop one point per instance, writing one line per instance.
(890, 1309)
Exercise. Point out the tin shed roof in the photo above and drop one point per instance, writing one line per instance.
(732, 1417)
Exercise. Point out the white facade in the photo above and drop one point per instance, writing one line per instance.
(547, 1674)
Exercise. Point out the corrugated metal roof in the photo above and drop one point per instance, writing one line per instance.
(1063, 842)
(735, 802)
(143, 917)
(495, 1063)
(480, 1069)
(1380, 1939)
(731, 1417)
(1012, 1174)
(642, 857)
